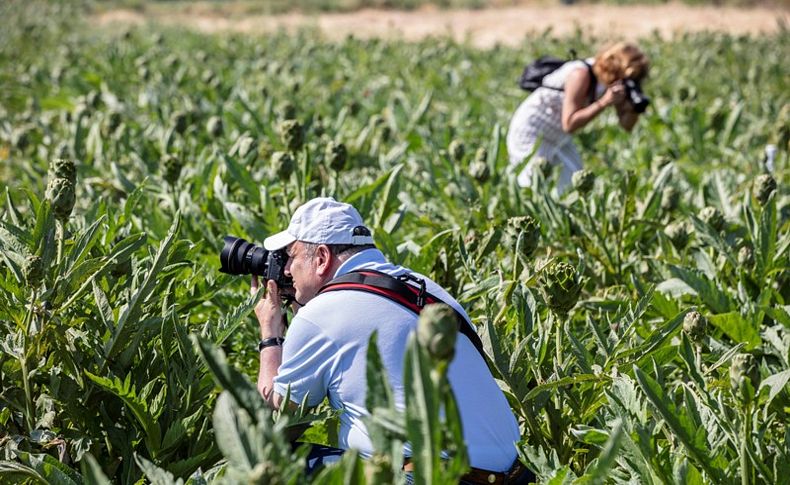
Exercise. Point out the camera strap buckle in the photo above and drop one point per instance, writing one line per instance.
(421, 295)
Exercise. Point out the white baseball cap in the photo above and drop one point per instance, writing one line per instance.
(322, 220)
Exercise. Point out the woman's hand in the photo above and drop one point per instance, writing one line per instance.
(614, 95)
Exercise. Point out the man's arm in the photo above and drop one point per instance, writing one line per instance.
(270, 318)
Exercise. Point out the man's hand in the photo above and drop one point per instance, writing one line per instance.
(269, 309)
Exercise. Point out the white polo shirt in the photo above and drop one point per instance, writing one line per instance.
(325, 355)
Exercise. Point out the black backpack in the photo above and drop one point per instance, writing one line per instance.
(532, 77)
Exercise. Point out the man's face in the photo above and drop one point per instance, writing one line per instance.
(303, 268)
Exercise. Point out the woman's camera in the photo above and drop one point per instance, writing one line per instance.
(239, 257)
(635, 95)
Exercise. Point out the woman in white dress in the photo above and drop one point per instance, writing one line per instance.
(567, 101)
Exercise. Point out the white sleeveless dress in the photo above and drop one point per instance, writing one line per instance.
(538, 122)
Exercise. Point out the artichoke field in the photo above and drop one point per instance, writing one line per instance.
(639, 323)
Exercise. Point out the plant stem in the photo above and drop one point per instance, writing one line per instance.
(747, 425)
(557, 337)
(60, 236)
(23, 363)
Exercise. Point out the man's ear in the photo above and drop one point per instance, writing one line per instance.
(323, 257)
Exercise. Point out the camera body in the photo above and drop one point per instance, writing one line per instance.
(240, 257)
(636, 97)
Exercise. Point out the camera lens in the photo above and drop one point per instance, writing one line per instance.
(239, 257)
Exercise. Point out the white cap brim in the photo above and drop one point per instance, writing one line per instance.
(278, 241)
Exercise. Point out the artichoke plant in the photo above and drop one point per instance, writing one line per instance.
(764, 186)
(583, 181)
(283, 164)
(456, 150)
(336, 155)
(678, 234)
(712, 217)
(61, 188)
(478, 169)
(437, 330)
(291, 134)
(695, 326)
(172, 165)
(33, 270)
(525, 232)
(744, 377)
(561, 286)
(746, 257)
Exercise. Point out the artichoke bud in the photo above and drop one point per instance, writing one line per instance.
(746, 257)
(712, 217)
(336, 155)
(437, 330)
(669, 198)
(452, 190)
(34, 270)
(560, 286)
(64, 169)
(287, 111)
(456, 150)
(172, 165)
(695, 326)
(678, 234)
(60, 192)
(246, 145)
(479, 170)
(764, 186)
(214, 126)
(744, 377)
(179, 121)
(526, 233)
(583, 181)
(291, 134)
(283, 164)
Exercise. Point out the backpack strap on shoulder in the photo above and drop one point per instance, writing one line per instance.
(412, 296)
(593, 81)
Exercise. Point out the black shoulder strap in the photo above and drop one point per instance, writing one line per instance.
(593, 81)
(396, 289)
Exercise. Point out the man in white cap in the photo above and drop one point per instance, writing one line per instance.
(324, 353)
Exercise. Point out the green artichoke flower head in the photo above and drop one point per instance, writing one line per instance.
(172, 165)
(744, 377)
(456, 150)
(437, 330)
(678, 234)
(246, 145)
(695, 326)
(214, 127)
(746, 257)
(33, 270)
(669, 198)
(336, 155)
(764, 186)
(291, 134)
(283, 164)
(20, 138)
(712, 217)
(478, 168)
(560, 286)
(583, 181)
(61, 187)
(286, 111)
(525, 232)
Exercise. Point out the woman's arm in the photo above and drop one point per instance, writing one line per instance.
(575, 111)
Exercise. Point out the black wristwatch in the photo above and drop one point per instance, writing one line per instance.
(270, 342)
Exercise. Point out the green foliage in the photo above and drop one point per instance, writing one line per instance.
(126, 356)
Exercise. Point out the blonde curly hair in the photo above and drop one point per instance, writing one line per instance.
(620, 61)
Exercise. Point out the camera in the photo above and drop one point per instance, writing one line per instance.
(635, 95)
(239, 257)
